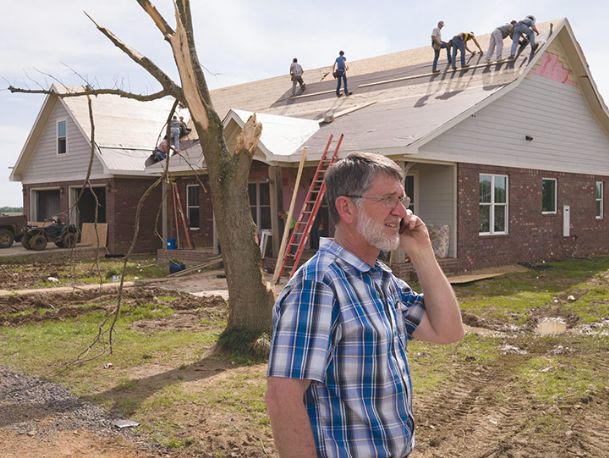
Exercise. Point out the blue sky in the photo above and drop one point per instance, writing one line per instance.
(238, 41)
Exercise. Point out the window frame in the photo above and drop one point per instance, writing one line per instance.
(599, 199)
(492, 205)
(57, 137)
(258, 206)
(555, 180)
(189, 206)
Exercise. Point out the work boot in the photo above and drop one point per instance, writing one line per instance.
(512, 57)
(454, 67)
(338, 94)
(464, 66)
(348, 93)
(534, 47)
(435, 71)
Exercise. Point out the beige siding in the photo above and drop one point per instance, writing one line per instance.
(566, 135)
(436, 200)
(46, 165)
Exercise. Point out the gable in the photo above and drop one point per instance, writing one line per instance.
(549, 106)
(43, 164)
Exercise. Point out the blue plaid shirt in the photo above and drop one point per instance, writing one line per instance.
(345, 325)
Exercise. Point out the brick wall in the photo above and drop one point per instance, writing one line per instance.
(202, 237)
(531, 235)
(122, 197)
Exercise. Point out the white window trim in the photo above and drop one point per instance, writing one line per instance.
(258, 206)
(601, 199)
(188, 207)
(73, 190)
(65, 120)
(415, 202)
(555, 196)
(492, 204)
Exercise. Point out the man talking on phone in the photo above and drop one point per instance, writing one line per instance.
(339, 383)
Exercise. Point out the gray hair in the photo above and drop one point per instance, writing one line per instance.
(352, 176)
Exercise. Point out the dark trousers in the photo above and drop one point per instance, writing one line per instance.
(341, 76)
(436, 55)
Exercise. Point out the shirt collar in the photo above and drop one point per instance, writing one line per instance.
(332, 247)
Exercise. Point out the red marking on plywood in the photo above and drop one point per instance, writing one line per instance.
(550, 66)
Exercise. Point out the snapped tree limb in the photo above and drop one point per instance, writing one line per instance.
(154, 70)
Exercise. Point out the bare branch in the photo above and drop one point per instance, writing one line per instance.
(141, 60)
(90, 91)
(84, 80)
(159, 20)
(57, 80)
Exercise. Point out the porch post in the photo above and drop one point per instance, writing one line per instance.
(164, 213)
(276, 194)
(398, 256)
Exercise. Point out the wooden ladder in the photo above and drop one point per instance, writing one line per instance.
(315, 195)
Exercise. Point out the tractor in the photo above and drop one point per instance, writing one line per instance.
(63, 235)
(11, 229)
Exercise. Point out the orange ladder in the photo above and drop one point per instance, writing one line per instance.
(309, 210)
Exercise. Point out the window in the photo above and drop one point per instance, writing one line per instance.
(598, 197)
(409, 187)
(548, 196)
(260, 204)
(493, 204)
(62, 145)
(192, 205)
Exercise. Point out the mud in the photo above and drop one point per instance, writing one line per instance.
(23, 309)
(480, 412)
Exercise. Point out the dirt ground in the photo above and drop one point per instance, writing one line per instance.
(479, 411)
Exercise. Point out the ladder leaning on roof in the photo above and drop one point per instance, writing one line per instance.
(302, 228)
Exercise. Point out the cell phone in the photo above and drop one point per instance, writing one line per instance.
(402, 226)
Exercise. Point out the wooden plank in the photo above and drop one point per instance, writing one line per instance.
(462, 279)
(88, 236)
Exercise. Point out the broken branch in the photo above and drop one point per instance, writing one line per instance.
(142, 61)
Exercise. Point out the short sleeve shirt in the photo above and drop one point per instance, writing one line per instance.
(506, 29)
(528, 22)
(340, 63)
(345, 325)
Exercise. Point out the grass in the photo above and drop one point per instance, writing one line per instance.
(511, 298)
(83, 272)
(165, 379)
(40, 347)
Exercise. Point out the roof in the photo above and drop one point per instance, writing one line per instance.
(397, 103)
(121, 122)
(126, 130)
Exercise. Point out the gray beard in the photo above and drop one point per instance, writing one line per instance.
(373, 234)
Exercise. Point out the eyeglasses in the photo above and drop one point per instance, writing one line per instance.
(387, 201)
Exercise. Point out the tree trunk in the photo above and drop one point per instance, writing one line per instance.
(250, 300)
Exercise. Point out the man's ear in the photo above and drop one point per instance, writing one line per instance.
(346, 209)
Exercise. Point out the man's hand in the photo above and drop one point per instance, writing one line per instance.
(414, 236)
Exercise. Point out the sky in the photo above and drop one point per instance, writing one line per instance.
(237, 41)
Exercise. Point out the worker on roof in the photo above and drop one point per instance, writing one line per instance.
(339, 71)
(528, 28)
(437, 44)
(497, 37)
(459, 42)
(296, 72)
(175, 132)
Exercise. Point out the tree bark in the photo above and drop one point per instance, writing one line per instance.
(250, 300)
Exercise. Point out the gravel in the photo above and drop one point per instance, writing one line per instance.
(35, 407)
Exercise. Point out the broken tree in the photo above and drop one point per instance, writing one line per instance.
(250, 300)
